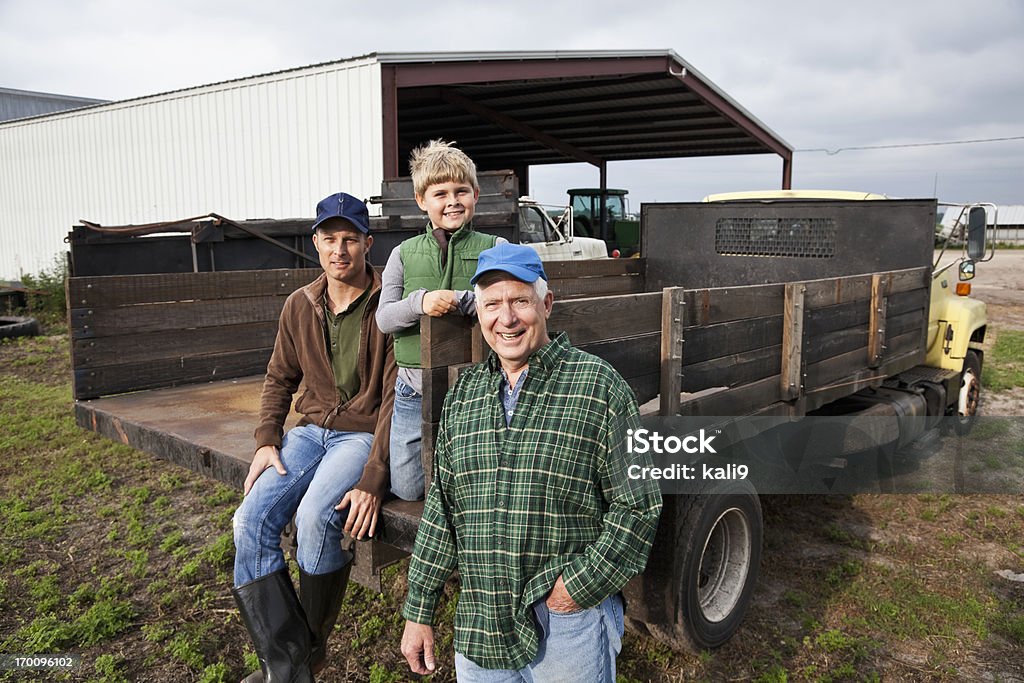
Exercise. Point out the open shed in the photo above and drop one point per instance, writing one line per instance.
(516, 110)
(270, 146)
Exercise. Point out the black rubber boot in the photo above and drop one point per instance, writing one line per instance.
(271, 613)
(321, 596)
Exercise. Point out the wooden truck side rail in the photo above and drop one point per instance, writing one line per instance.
(173, 364)
(782, 349)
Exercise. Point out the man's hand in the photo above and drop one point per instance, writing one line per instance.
(418, 647)
(362, 516)
(265, 456)
(439, 302)
(560, 600)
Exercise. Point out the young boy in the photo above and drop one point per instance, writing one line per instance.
(428, 274)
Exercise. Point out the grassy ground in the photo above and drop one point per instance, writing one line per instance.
(125, 560)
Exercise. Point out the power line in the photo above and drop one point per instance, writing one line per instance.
(833, 152)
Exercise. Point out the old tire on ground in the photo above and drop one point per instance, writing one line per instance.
(718, 554)
(18, 327)
(970, 394)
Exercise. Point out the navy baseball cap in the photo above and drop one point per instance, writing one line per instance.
(342, 205)
(518, 260)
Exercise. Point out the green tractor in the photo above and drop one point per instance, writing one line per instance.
(620, 229)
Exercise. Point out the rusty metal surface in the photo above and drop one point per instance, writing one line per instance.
(682, 241)
(208, 428)
(193, 425)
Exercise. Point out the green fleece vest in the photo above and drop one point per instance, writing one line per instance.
(421, 263)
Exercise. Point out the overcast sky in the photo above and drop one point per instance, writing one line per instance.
(857, 74)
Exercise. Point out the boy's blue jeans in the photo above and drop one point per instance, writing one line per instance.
(578, 647)
(406, 441)
(323, 465)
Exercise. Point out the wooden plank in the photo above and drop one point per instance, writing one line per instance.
(601, 318)
(631, 357)
(832, 291)
(791, 374)
(596, 286)
(87, 323)
(429, 438)
(168, 372)
(435, 388)
(825, 319)
(837, 342)
(836, 369)
(742, 400)
(446, 340)
(712, 306)
(671, 349)
(738, 336)
(733, 370)
(910, 321)
(821, 321)
(124, 290)
(902, 302)
(564, 270)
(150, 346)
(876, 325)
(478, 347)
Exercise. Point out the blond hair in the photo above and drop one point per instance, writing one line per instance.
(439, 161)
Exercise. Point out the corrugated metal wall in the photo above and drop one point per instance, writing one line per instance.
(264, 147)
(17, 104)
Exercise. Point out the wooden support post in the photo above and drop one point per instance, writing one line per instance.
(444, 342)
(880, 284)
(672, 303)
(479, 348)
(791, 377)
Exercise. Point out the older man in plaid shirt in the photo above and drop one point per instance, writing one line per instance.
(530, 499)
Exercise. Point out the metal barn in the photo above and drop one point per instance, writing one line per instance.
(269, 146)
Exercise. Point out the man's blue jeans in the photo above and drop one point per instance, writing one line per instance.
(323, 465)
(578, 647)
(406, 442)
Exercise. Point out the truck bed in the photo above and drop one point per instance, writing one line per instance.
(208, 429)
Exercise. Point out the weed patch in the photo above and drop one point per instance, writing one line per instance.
(1004, 366)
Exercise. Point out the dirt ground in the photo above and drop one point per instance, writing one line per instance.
(866, 587)
(1000, 284)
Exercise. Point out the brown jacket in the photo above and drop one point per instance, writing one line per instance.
(300, 356)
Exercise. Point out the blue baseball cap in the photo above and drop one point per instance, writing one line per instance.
(518, 260)
(342, 205)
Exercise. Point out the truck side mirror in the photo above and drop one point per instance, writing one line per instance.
(976, 233)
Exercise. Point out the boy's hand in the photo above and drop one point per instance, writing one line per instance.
(439, 302)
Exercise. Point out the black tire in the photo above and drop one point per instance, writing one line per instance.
(718, 556)
(18, 327)
(965, 412)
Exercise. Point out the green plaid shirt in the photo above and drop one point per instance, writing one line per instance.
(514, 507)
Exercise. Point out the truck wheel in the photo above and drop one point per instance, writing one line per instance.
(970, 394)
(718, 554)
(18, 327)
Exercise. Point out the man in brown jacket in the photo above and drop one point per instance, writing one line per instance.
(331, 470)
